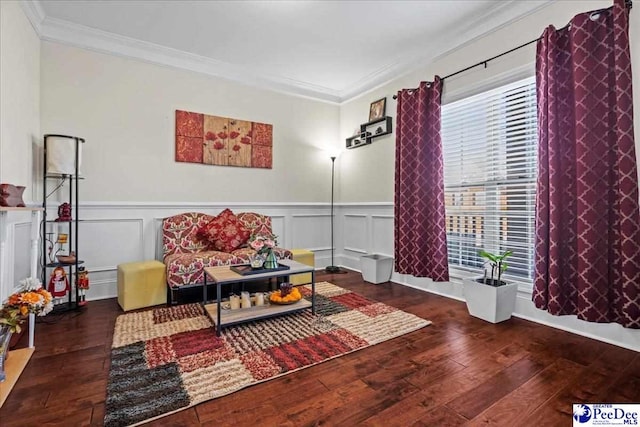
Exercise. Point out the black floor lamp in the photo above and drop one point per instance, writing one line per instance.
(332, 268)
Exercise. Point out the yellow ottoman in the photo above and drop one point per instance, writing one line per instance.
(141, 284)
(305, 257)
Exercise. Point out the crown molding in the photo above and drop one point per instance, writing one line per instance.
(65, 32)
(60, 31)
(494, 19)
(34, 13)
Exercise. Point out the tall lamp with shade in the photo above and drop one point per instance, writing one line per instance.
(333, 269)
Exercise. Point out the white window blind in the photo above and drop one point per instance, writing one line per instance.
(490, 160)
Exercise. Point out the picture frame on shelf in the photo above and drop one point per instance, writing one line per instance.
(377, 109)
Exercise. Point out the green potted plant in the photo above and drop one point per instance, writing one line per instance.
(489, 297)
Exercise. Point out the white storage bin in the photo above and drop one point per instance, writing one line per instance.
(376, 268)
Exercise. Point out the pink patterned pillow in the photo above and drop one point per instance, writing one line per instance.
(225, 232)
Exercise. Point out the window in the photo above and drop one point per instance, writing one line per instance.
(490, 160)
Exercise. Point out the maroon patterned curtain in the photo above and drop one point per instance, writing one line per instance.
(587, 222)
(420, 235)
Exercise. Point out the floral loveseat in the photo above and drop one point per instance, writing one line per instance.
(186, 250)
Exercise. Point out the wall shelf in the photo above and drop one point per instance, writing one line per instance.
(369, 131)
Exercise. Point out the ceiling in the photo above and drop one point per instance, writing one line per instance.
(327, 50)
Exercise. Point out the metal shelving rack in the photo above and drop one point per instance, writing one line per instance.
(71, 182)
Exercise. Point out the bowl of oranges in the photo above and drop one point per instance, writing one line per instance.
(287, 294)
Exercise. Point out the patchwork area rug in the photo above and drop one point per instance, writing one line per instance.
(168, 359)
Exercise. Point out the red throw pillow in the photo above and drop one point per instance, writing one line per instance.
(203, 231)
(226, 233)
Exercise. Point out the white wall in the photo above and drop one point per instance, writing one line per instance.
(19, 96)
(19, 127)
(367, 173)
(125, 109)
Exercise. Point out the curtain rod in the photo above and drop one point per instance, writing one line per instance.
(482, 62)
(628, 3)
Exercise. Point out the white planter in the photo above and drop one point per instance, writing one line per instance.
(376, 268)
(490, 303)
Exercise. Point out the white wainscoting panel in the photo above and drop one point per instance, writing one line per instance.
(355, 235)
(22, 251)
(155, 235)
(278, 228)
(17, 229)
(105, 243)
(311, 231)
(382, 234)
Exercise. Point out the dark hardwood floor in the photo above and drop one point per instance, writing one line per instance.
(458, 371)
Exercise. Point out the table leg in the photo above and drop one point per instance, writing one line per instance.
(313, 292)
(218, 300)
(204, 290)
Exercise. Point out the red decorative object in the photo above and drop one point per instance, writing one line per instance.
(83, 285)
(58, 283)
(420, 234)
(226, 233)
(64, 213)
(189, 124)
(11, 195)
(189, 135)
(201, 138)
(263, 134)
(261, 157)
(588, 220)
(188, 149)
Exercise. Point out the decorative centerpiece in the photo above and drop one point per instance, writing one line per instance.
(67, 259)
(287, 295)
(11, 195)
(31, 299)
(64, 213)
(263, 245)
(256, 261)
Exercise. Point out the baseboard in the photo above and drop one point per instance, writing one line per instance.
(634, 335)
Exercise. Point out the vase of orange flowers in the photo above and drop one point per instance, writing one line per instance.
(32, 299)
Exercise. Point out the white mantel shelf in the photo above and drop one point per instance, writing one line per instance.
(27, 208)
